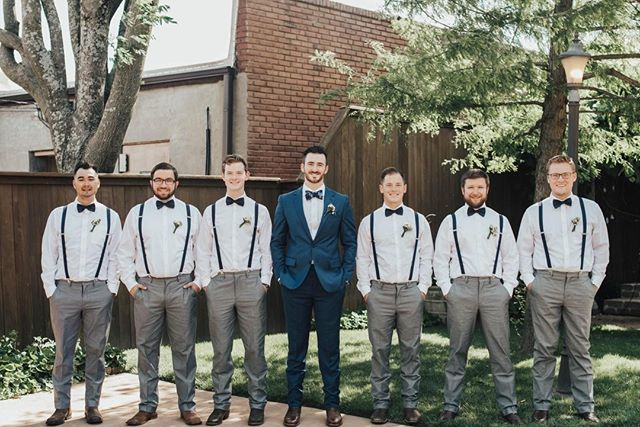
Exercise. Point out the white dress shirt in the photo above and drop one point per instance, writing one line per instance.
(563, 231)
(313, 209)
(164, 231)
(478, 239)
(234, 225)
(395, 251)
(84, 239)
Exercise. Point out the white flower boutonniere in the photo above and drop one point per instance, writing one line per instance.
(493, 231)
(94, 224)
(245, 220)
(176, 225)
(575, 222)
(331, 210)
(405, 228)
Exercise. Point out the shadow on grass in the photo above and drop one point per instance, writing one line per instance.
(615, 353)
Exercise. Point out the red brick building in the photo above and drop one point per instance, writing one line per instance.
(274, 42)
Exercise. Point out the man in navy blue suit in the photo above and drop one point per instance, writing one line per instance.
(310, 225)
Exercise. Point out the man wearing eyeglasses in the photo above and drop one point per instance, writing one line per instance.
(564, 252)
(156, 261)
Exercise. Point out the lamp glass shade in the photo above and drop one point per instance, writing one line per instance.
(574, 68)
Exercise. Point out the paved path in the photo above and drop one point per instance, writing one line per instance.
(120, 401)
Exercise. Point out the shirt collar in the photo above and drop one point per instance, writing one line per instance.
(95, 200)
(384, 206)
(305, 188)
(236, 198)
(164, 201)
(555, 198)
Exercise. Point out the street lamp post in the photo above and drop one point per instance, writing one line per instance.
(574, 60)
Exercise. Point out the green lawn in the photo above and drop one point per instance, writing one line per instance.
(615, 352)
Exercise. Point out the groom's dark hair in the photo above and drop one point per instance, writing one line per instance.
(314, 149)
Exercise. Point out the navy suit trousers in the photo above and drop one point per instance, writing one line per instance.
(327, 307)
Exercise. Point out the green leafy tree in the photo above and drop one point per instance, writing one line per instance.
(92, 123)
(491, 70)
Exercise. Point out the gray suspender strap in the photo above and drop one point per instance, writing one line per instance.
(215, 234)
(455, 238)
(495, 262)
(186, 239)
(415, 246)
(64, 246)
(544, 239)
(144, 254)
(584, 231)
(106, 240)
(255, 231)
(373, 246)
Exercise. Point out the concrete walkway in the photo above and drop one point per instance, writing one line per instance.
(120, 402)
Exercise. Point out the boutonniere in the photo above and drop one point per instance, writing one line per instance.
(493, 231)
(331, 210)
(405, 228)
(94, 224)
(575, 222)
(176, 225)
(245, 220)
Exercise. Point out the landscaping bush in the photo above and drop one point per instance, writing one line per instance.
(28, 370)
(353, 320)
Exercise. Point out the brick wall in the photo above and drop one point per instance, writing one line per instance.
(274, 42)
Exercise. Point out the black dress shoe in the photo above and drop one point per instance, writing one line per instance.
(447, 415)
(334, 417)
(292, 417)
(589, 416)
(58, 417)
(380, 416)
(539, 416)
(256, 417)
(411, 416)
(217, 417)
(512, 418)
(92, 415)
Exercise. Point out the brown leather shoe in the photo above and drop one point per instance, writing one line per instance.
(411, 416)
(334, 418)
(380, 416)
(256, 417)
(92, 415)
(589, 416)
(58, 417)
(447, 415)
(292, 417)
(512, 418)
(191, 418)
(217, 417)
(141, 417)
(540, 416)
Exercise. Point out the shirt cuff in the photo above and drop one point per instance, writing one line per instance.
(424, 288)
(266, 279)
(527, 278)
(509, 289)
(364, 288)
(597, 280)
(113, 287)
(49, 290)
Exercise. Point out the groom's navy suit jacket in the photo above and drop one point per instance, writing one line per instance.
(293, 249)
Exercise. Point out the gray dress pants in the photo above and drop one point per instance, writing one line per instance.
(396, 306)
(238, 296)
(166, 299)
(468, 297)
(562, 298)
(74, 305)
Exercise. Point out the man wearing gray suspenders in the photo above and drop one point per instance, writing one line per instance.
(156, 262)
(476, 266)
(394, 273)
(233, 260)
(564, 252)
(79, 275)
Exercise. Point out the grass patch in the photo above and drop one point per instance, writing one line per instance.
(615, 352)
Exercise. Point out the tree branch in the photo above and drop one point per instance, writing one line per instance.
(609, 94)
(10, 41)
(55, 36)
(617, 74)
(615, 56)
(74, 27)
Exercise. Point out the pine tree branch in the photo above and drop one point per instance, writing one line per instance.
(615, 56)
(617, 74)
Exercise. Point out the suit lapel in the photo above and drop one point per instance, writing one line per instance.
(297, 204)
(328, 199)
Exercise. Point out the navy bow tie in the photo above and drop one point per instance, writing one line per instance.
(389, 212)
(91, 207)
(170, 204)
(557, 203)
(231, 201)
(308, 194)
(471, 211)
